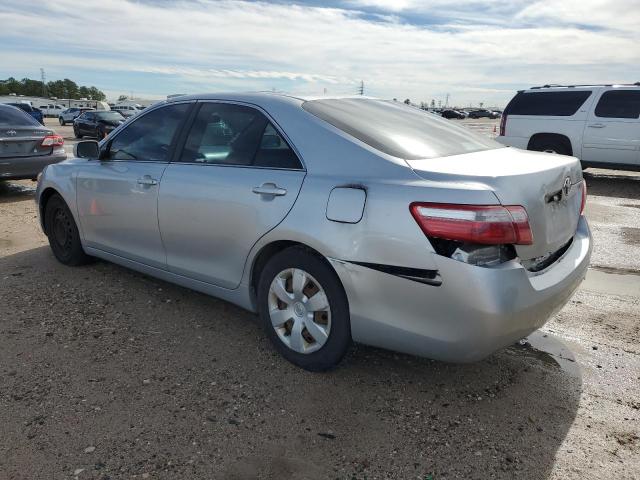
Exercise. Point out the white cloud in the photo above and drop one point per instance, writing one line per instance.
(232, 44)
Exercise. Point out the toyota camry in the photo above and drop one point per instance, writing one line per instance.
(335, 219)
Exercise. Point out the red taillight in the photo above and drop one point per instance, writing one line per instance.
(584, 196)
(503, 124)
(52, 141)
(484, 224)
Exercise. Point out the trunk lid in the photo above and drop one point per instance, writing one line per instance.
(23, 141)
(537, 181)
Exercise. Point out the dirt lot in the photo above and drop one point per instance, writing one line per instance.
(108, 374)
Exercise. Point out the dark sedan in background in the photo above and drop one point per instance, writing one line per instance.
(26, 147)
(482, 113)
(453, 114)
(97, 124)
(32, 111)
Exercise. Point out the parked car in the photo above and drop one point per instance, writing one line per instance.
(97, 124)
(52, 110)
(127, 110)
(482, 113)
(70, 114)
(336, 219)
(33, 112)
(26, 147)
(599, 124)
(453, 114)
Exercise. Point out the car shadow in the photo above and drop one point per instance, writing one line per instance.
(14, 191)
(166, 381)
(609, 183)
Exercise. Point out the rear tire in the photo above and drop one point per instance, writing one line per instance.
(312, 328)
(62, 233)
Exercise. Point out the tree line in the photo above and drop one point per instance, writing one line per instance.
(58, 88)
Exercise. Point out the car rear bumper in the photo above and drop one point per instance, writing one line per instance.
(473, 313)
(27, 167)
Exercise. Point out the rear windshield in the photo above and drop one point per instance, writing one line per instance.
(398, 129)
(13, 117)
(109, 115)
(555, 104)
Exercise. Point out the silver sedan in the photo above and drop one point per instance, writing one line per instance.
(26, 146)
(336, 219)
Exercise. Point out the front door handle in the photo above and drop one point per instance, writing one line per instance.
(596, 125)
(269, 189)
(147, 180)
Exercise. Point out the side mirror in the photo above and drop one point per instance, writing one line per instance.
(86, 149)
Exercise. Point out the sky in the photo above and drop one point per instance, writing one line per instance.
(473, 50)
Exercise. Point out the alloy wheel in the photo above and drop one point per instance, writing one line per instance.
(299, 310)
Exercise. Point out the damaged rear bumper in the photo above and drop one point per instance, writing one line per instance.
(474, 312)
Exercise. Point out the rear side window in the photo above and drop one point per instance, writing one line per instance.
(397, 129)
(229, 134)
(619, 104)
(553, 104)
(149, 138)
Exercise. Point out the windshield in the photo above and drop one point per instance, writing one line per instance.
(13, 117)
(109, 116)
(398, 129)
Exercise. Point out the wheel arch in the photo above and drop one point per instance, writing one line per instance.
(45, 196)
(266, 252)
(554, 137)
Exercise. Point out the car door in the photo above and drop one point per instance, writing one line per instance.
(117, 196)
(234, 179)
(612, 130)
(83, 123)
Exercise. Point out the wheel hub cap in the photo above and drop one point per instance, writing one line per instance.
(299, 310)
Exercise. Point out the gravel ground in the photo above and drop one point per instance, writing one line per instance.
(109, 374)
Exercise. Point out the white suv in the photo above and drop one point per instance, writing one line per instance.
(599, 124)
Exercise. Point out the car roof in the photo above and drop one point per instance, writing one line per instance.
(260, 98)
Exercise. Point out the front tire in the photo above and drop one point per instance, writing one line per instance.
(304, 309)
(76, 133)
(62, 233)
(62, 122)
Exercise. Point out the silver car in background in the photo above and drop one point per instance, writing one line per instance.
(336, 219)
(26, 146)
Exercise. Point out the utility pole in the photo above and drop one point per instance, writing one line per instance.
(44, 85)
(446, 103)
(361, 89)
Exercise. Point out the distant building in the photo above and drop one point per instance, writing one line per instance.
(43, 102)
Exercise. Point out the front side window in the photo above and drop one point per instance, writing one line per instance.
(398, 129)
(149, 138)
(229, 134)
(619, 104)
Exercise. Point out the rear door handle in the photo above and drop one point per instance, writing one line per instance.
(269, 188)
(596, 125)
(147, 180)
